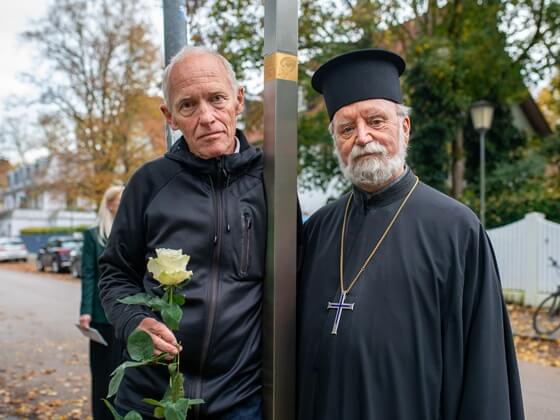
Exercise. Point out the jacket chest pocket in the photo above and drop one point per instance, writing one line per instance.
(246, 242)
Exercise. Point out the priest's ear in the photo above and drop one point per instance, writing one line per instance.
(405, 127)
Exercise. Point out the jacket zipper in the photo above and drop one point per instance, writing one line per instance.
(247, 224)
(214, 278)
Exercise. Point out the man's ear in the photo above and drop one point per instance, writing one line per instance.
(240, 101)
(406, 128)
(168, 116)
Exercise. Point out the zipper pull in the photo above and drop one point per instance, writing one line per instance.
(248, 221)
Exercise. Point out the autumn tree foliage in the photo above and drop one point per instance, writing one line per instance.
(457, 52)
(98, 73)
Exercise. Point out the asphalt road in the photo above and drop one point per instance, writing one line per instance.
(44, 364)
(44, 370)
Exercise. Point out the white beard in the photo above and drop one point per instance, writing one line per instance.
(376, 170)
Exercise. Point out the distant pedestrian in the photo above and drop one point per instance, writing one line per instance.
(103, 359)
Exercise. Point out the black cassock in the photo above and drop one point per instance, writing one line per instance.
(429, 336)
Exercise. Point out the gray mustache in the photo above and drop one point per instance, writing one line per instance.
(372, 147)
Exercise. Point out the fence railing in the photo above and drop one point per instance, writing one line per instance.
(522, 251)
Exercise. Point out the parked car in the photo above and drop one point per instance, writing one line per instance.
(12, 249)
(56, 253)
(76, 262)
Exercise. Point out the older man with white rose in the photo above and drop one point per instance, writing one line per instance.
(205, 197)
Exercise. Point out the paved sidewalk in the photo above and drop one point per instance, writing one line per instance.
(44, 370)
(541, 391)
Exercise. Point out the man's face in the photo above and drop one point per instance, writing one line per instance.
(371, 142)
(203, 105)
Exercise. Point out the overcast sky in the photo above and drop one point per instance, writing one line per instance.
(17, 56)
(14, 16)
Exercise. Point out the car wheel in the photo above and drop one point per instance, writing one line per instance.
(56, 266)
(39, 264)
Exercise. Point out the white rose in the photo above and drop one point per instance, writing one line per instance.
(169, 267)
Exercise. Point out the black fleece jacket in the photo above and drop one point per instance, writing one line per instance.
(215, 211)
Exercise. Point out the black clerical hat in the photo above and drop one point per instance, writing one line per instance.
(359, 75)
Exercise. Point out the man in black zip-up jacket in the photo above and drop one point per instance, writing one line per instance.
(206, 197)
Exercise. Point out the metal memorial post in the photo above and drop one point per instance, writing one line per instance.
(280, 148)
(175, 37)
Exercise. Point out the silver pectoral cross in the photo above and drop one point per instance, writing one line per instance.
(339, 306)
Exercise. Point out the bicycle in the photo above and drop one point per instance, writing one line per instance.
(546, 319)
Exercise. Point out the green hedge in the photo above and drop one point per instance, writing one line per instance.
(53, 230)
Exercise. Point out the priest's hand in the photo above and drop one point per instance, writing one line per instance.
(162, 337)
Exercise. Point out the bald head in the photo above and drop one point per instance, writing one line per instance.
(190, 51)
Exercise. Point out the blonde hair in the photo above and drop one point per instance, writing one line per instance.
(104, 216)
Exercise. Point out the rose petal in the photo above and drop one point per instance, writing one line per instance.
(173, 278)
(154, 267)
(172, 259)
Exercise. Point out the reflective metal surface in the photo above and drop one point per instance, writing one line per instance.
(280, 147)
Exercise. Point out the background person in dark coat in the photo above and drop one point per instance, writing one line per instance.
(103, 359)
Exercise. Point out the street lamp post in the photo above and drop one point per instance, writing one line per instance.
(481, 115)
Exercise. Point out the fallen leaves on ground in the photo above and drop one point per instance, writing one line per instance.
(31, 390)
(42, 400)
(29, 267)
(531, 347)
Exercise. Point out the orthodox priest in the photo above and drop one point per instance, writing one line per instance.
(401, 314)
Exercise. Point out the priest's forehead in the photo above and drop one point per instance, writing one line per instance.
(367, 108)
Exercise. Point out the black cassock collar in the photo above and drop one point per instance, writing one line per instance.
(396, 190)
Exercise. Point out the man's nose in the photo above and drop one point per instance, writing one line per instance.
(363, 134)
(206, 113)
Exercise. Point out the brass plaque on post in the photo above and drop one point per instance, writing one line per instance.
(281, 66)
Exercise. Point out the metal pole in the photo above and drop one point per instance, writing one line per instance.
(175, 37)
(482, 179)
(280, 148)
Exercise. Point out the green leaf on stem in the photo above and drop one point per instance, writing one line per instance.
(159, 413)
(151, 401)
(137, 299)
(118, 374)
(196, 401)
(116, 415)
(116, 379)
(132, 415)
(172, 315)
(172, 368)
(177, 390)
(140, 345)
(177, 410)
(157, 303)
(179, 299)
(131, 363)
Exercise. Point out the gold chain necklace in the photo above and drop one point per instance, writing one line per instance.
(341, 304)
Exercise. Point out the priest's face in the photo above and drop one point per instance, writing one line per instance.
(371, 140)
(203, 105)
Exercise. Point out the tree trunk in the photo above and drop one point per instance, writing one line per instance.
(458, 165)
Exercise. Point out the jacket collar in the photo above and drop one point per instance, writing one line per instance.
(234, 163)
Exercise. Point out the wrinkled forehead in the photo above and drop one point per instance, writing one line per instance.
(199, 68)
(381, 107)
